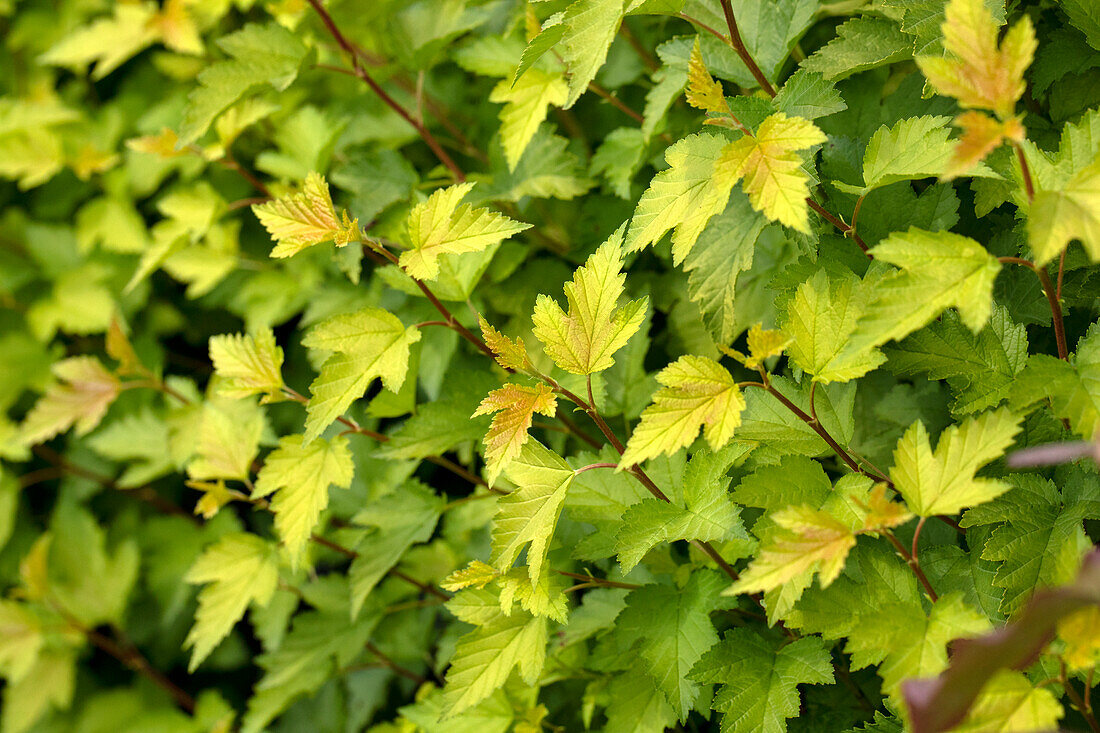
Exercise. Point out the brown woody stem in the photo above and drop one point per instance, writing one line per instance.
(350, 50)
(738, 45)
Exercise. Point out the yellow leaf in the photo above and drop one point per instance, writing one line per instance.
(764, 344)
(981, 135)
(229, 439)
(807, 540)
(703, 92)
(584, 340)
(525, 106)
(215, 495)
(86, 391)
(772, 169)
(248, 365)
(302, 475)
(164, 144)
(305, 218)
(1072, 212)
(515, 406)
(975, 71)
(509, 354)
(119, 348)
(1081, 633)
(475, 575)
(697, 393)
(440, 226)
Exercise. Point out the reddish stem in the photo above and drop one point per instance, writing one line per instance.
(739, 46)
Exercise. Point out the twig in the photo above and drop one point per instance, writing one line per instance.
(1075, 698)
(739, 46)
(913, 563)
(598, 581)
(1025, 171)
(1052, 299)
(350, 50)
(394, 666)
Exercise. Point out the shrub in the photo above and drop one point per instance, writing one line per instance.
(585, 364)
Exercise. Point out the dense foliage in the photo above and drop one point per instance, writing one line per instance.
(488, 365)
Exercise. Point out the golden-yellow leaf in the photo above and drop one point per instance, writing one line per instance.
(807, 539)
(703, 91)
(509, 354)
(772, 168)
(305, 218)
(475, 575)
(697, 393)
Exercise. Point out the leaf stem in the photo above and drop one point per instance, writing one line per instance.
(845, 229)
(357, 67)
(394, 666)
(1051, 292)
(598, 581)
(126, 652)
(738, 45)
(1025, 171)
(1075, 698)
(913, 563)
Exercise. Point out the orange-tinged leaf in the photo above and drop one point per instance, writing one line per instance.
(883, 513)
(86, 391)
(703, 91)
(509, 354)
(807, 539)
(515, 406)
(981, 135)
(975, 71)
(697, 393)
(119, 348)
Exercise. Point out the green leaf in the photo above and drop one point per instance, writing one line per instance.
(636, 705)
(981, 367)
(49, 683)
(589, 28)
(1009, 701)
(441, 226)
(240, 569)
(108, 42)
(759, 680)
(943, 482)
(862, 43)
(820, 319)
(401, 519)
(940, 270)
(584, 340)
(722, 252)
(485, 657)
(917, 147)
(248, 364)
(368, 344)
(142, 441)
(529, 514)
(302, 475)
(1055, 217)
(670, 629)
(1073, 386)
(697, 393)
(260, 55)
(907, 641)
(808, 95)
(708, 514)
(618, 159)
(684, 197)
(1039, 540)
